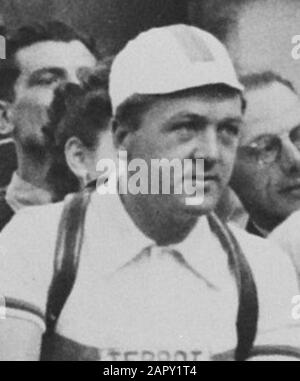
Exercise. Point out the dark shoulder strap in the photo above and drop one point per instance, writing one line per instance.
(247, 318)
(67, 254)
(6, 212)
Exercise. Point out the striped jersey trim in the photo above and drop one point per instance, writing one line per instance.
(15, 304)
(272, 350)
(263, 351)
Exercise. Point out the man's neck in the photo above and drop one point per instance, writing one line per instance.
(157, 220)
(33, 172)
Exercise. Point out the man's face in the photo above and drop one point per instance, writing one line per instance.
(191, 127)
(269, 183)
(43, 67)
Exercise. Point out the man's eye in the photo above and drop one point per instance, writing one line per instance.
(269, 146)
(185, 126)
(181, 126)
(185, 130)
(46, 79)
(229, 129)
(295, 137)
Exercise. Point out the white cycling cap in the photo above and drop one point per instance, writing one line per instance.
(169, 59)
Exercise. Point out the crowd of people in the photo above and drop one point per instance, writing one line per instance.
(89, 276)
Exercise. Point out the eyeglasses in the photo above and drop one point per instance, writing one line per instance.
(268, 148)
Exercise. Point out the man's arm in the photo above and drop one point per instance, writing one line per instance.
(26, 267)
(20, 340)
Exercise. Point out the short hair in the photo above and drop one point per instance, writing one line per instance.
(253, 81)
(76, 111)
(29, 35)
(130, 112)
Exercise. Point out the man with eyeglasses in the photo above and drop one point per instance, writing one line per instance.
(267, 172)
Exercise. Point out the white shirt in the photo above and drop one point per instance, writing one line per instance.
(153, 307)
(20, 194)
(287, 236)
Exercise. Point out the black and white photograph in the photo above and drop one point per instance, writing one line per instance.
(150, 183)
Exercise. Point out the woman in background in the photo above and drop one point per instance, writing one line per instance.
(79, 134)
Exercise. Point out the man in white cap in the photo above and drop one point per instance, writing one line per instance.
(159, 277)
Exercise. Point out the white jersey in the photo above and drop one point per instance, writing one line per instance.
(136, 306)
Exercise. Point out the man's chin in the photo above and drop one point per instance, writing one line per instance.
(199, 205)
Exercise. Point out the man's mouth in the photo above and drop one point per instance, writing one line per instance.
(204, 183)
(210, 178)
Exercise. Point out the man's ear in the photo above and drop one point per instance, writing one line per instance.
(75, 154)
(120, 133)
(6, 125)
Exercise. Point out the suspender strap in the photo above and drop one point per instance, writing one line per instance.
(67, 254)
(6, 212)
(247, 318)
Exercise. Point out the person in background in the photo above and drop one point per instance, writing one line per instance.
(39, 58)
(78, 137)
(266, 177)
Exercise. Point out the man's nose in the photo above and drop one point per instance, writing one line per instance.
(208, 144)
(290, 157)
(208, 148)
(77, 76)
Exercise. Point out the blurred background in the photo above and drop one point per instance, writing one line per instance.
(257, 33)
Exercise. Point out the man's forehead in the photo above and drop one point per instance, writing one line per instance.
(197, 105)
(55, 54)
(270, 110)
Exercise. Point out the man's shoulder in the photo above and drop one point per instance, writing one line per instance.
(294, 216)
(32, 229)
(275, 278)
(288, 229)
(251, 240)
(48, 212)
(27, 249)
(287, 237)
(268, 261)
(258, 249)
